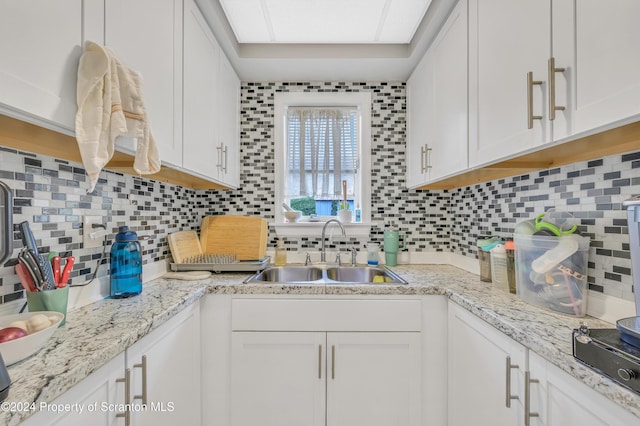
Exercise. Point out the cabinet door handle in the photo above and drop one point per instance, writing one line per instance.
(319, 361)
(224, 152)
(422, 158)
(509, 397)
(552, 88)
(527, 398)
(219, 163)
(530, 83)
(143, 366)
(127, 396)
(427, 158)
(333, 361)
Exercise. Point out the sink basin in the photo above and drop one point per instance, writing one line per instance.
(287, 274)
(326, 274)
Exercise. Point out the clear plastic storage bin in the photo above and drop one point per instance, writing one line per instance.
(551, 272)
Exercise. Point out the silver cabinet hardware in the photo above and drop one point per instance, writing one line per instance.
(127, 397)
(425, 158)
(224, 158)
(333, 361)
(319, 361)
(552, 89)
(530, 83)
(143, 366)
(509, 397)
(527, 398)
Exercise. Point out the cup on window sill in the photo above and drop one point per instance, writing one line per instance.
(344, 216)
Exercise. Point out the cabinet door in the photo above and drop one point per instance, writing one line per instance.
(561, 400)
(172, 358)
(93, 401)
(510, 39)
(156, 53)
(373, 379)
(200, 116)
(41, 45)
(420, 120)
(479, 376)
(278, 378)
(449, 137)
(229, 122)
(597, 43)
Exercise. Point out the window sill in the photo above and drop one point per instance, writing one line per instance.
(314, 229)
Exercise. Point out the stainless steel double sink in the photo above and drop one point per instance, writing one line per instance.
(326, 274)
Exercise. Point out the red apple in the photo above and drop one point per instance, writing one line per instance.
(11, 333)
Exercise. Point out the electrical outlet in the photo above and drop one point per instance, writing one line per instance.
(92, 236)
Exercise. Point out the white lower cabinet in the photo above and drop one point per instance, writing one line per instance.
(292, 378)
(94, 401)
(165, 372)
(162, 389)
(322, 361)
(557, 399)
(486, 373)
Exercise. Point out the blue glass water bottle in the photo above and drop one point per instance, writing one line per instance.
(126, 264)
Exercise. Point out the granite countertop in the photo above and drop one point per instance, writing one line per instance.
(96, 333)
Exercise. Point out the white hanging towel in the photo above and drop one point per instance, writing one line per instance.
(110, 104)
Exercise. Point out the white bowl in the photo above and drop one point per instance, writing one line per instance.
(23, 347)
(293, 216)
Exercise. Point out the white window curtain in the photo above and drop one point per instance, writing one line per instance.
(322, 151)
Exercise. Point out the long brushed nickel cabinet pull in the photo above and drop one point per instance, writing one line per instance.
(509, 397)
(127, 397)
(422, 158)
(143, 366)
(527, 398)
(552, 88)
(319, 361)
(333, 361)
(530, 83)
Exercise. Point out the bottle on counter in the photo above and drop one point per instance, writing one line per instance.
(126, 264)
(281, 253)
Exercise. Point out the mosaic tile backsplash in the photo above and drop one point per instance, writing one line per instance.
(51, 194)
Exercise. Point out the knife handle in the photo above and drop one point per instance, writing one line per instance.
(67, 271)
(27, 236)
(25, 278)
(56, 270)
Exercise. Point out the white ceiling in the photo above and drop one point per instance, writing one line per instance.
(377, 51)
(324, 21)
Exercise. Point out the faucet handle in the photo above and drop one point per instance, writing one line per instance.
(307, 260)
(354, 256)
(338, 259)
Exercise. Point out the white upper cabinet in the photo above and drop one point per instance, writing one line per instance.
(229, 122)
(211, 104)
(508, 113)
(41, 46)
(155, 53)
(437, 105)
(597, 44)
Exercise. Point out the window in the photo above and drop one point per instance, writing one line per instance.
(322, 140)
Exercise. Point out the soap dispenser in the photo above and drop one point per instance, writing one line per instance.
(281, 253)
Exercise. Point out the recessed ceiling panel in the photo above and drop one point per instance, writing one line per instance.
(247, 20)
(402, 20)
(324, 21)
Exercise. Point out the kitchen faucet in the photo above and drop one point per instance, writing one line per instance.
(323, 255)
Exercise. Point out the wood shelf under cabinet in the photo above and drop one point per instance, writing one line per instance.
(28, 137)
(609, 142)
